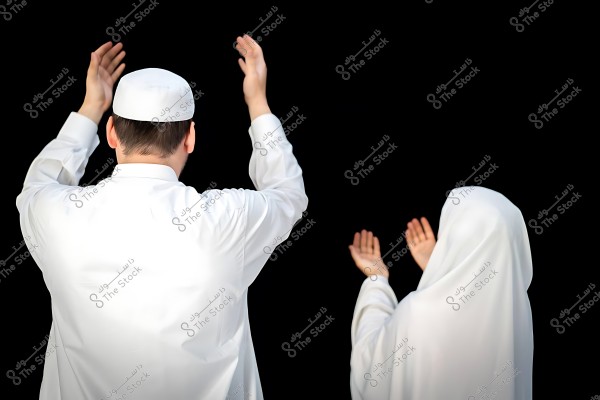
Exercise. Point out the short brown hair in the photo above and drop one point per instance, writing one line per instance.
(144, 137)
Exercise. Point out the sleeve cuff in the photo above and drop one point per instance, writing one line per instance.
(376, 280)
(80, 129)
(264, 124)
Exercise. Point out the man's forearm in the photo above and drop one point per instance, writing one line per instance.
(258, 107)
(91, 112)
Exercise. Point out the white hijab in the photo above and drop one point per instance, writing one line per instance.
(437, 343)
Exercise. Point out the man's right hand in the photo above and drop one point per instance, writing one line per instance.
(255, 70)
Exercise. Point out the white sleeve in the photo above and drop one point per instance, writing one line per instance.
(62, 161)
(370, 331)
(59, 165)
(375, 305)
(279, 199)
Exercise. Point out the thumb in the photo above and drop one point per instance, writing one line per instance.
(242, 65)
(355, 255)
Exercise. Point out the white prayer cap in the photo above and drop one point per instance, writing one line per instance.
(154, 95)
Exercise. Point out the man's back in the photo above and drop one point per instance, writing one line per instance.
(148, 277)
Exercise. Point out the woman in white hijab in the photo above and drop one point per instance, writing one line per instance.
(466, 331)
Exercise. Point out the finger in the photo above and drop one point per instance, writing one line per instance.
(115, 62)
(428, 231)
(101, 51)
(242, 51)
(356, 242)
(355, 255)
(251, 42)
(376, 247)
(363, 241)
(351, 248)
(241, 46)
(117, 74)
(94, 65)
(370, 242)
(418, 229)
(410, 237)
(411, 232)
(111, 54)
(252, 48)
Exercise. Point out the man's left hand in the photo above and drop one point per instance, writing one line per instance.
(104, 70)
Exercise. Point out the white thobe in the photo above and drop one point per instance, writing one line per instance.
(148, 277)
(466, 332)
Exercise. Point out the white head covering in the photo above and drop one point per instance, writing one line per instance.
(154, 95)
(468, 326)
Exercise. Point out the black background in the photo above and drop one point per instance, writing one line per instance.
(344, 118)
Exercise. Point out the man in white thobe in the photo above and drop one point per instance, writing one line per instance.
(149, 277)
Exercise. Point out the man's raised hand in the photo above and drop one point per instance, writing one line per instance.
(105, 69)
(255, 70)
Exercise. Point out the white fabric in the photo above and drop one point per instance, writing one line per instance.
(433, 344)
(153, 95)
(142, 343)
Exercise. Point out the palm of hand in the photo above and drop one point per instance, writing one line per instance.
(105, 68)
(421, 252)
(421, 241)
(369, 262)
(105, 88)
(365, 251)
